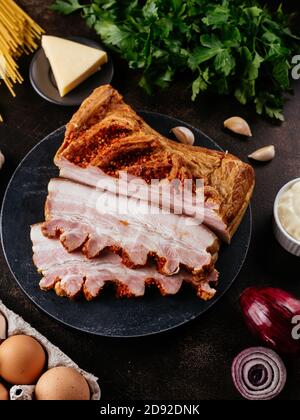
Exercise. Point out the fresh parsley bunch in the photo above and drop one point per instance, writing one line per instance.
(229, 47)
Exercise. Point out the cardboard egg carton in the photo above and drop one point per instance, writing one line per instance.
(17, 325)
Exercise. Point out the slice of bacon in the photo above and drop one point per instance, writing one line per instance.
(131, 186)
(71, 274)
(85, 218)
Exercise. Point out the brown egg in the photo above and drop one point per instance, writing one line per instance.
(62, 383)
(22, 360)
(4, 396)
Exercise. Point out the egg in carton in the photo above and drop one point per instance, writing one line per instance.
(55, 357)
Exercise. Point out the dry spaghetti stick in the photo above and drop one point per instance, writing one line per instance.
(9, 87)
(18, 35)
(13, 5)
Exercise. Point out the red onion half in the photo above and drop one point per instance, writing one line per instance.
(258, 373)
(269, 314)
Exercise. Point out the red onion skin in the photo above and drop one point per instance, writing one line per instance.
(268, 313)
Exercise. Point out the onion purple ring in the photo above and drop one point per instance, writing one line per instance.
(258, 373)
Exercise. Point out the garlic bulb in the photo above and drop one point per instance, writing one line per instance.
(264, 154)
(184, 135)
(2, 159)
(238, 125)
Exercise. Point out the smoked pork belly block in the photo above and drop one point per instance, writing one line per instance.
(106, 138)
(85, 218)
(71, 274)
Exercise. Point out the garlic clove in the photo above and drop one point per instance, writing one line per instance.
(238, 125)
(184, 135)
(264, 154)
(2, 159)
(3, 328)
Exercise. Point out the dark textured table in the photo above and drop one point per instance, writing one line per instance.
(191, 362)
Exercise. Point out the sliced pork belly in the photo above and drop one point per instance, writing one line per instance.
(72, 273)
(105, 137)
(131, 186)
(85, 218)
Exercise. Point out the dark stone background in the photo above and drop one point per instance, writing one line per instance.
(191, 362)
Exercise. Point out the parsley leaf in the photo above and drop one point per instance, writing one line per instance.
(150, 10)
(200, 84)
(110, 32)
(224, 62)
(216, 16)
(66, 6)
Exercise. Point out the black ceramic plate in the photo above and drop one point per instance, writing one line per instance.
(43, 81)
(107, 316)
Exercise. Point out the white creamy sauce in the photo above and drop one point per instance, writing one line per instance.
(289, 210)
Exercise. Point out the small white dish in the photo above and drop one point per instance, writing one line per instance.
(289, 243)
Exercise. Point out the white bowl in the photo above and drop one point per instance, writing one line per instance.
(289, 243)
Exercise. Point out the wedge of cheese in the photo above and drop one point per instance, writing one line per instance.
(71, 62)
